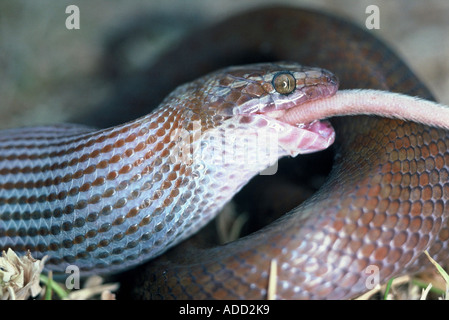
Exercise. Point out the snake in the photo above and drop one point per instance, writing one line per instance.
(107, 200)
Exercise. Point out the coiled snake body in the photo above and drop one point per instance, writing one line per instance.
(107, 200)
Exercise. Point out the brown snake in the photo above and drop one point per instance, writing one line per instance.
(383, 203)
(108, 200)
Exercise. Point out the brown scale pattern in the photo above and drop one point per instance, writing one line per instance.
(384, 203)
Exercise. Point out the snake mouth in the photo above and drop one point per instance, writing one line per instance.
(292, 138)
(297, 139)
(307, 138)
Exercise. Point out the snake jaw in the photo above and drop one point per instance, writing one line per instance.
(292, 137)
(300, 138)
(308, 138)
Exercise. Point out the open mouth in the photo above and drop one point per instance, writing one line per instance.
(298, 138)
(295, 137)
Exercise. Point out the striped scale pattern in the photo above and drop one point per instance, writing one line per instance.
(108, 199)
(98, 199)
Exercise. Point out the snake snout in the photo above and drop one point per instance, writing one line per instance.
(332, 80)
(324, 86)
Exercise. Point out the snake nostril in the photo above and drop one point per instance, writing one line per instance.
(333, 80)
(330, 78)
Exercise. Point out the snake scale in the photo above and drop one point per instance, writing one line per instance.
(109, 199)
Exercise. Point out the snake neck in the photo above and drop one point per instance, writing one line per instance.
(107, 200)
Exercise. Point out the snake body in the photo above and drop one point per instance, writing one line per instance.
(382, 205)
(109, 199)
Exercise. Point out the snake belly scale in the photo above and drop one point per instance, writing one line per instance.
(81, 195)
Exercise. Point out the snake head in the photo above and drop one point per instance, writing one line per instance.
(253, 98)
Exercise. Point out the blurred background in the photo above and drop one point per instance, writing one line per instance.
(50, 74)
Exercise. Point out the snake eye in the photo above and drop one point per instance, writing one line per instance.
(284, 82)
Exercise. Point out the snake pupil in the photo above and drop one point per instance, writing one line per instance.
(284, 82)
